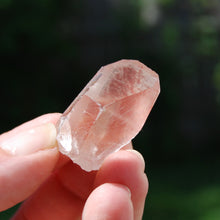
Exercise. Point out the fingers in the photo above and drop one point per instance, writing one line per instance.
(62, 196)
(51, 201)
(64, 193)
(27, 158)
(81, 184)
(126, 167)
(109, 201)
(77, 181)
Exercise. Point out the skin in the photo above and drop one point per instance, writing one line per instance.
(53, 187)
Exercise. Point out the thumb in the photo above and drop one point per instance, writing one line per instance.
(27, 158)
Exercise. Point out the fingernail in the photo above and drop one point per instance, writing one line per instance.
(128, 146)
(139, 155)
(124, 188)
(30, 141)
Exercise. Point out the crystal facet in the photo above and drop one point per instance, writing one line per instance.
(108, 113)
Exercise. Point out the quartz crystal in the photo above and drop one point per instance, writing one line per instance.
(108, 113)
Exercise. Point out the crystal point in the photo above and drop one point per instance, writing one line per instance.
(108, 113)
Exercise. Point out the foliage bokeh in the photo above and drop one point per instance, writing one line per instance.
(50, 49)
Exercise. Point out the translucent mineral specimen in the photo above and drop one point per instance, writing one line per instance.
(108, 113)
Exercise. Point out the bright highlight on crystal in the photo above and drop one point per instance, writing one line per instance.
(108, 113)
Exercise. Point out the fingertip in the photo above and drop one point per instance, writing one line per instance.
(109, 201)
(130, 159)
(126, 167)
(30, 141)
(139, 157)
(43, 119)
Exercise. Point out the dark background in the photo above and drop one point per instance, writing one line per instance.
(51, 48)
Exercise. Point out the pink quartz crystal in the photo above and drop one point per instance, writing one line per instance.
(108, 113)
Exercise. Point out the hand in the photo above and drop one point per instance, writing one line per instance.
(53, 187)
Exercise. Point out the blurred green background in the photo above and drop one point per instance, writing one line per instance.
(51, 48)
